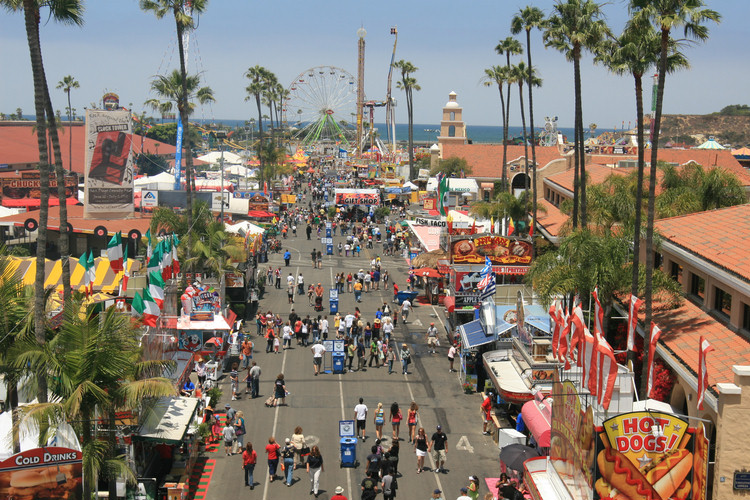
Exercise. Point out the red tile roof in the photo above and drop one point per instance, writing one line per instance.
(81, 225)
(595, 174)
(486, 159)
(701, 234)
(553, 219)
(18, 144)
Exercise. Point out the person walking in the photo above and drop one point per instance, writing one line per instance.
(246, 352)
(318, 349)
(405, 358)
(395, 418)
(249, 459)
(339, 492)
(486, 409)
(374, 351)
(464, 494)
(452, 356)
(298, 441)
(229, 436)
(351, 350)
(420, 447)
(391, 359)
(369, 487)
(277, 274)
(290, 292)
(358, 291)
(385, 277)
(379, 421)
(239, 432)
(314, 469)
(360, 415)
(473, 488)
(300, 284)
(361, 351)
(405, 310)
(411, 418)
(279, 392)
(253, 379)
(287, 256)
(439, 448)
(272, 450)
(200, 370)
(287, 457)
(432, 338)
(388, 485)
(234, 380)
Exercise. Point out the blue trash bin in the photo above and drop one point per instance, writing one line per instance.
(338, 362)
(348, 452)
(329, 249)
(334, 304)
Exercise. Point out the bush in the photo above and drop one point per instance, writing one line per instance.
(214, 395)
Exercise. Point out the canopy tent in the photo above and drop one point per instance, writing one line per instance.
(167, 422)
(410, 185)
(63, 436)
(213, 185)
(240, 171)
(242, 228)
(455, 185)
(742, 153)
(215, 157)
(163, 180)
(472, 335)
(459, 216)
(711, 144)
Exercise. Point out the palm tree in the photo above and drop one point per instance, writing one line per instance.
(408, 84)
(67, 84)
(693, 188)
(508, 47)
(452, 167)
(269, 98)
(169, 89)
(520, 74)
(182, 11)
(529, 18)
(505, 204)
(576, 25)
(666, 15)
(499, 75)
(258, 76)
(97, 367)
(635, 52)
(68, 13)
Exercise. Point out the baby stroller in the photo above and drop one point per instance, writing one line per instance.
(318, 303)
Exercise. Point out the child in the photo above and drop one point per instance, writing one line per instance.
(216, 429)
(235, 380)
(276, 345)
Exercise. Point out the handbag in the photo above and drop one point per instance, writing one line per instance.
(304, 451)
(408, 360)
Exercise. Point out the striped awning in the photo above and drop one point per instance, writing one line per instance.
(106, 280)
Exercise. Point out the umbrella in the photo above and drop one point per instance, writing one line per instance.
(216, 341)
(514, 455)
(427, 272)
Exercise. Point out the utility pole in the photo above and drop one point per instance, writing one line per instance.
(220, 135)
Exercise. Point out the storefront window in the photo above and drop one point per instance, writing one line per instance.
(698, 288)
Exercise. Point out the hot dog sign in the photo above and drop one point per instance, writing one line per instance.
(645, 455)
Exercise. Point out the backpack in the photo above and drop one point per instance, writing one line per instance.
(368, 484)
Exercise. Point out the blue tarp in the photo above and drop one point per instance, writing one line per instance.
(472, 335)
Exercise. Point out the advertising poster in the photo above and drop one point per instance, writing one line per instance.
(42, 474)
(647, 455)
(369, 197)
(572, 442)
(109, 165)
(28, 186)
(499, 249)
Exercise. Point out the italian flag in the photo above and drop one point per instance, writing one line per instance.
(89, 268)
(154, 263)
(114, 253)
(149, 249)
(442, 191)
(175, 259)
(156, 288)
(126, 274)
(166, 259)
(147, 308)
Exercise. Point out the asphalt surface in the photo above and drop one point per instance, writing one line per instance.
(317, 404)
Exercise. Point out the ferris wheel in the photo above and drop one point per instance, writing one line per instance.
(320, 104)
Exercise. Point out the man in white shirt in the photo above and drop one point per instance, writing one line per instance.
(290, 280)
(349, 320)
(432, 338)
(324, 328)
(318, 350)
(464, 494)
(405, 310)
(387, 328)
(360, 415)
(300, 284)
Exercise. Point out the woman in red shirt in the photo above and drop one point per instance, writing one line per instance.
(395, 419)
(272, 450)
(249, 459)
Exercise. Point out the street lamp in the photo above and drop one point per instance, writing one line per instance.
(220, 135)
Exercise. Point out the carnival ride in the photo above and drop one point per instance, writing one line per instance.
(319, 103)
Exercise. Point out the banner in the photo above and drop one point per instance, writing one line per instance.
(109, 165)
(369, 197)
(572, 442)
(650, 454)
(499, 249)
(42, 474)
(28, 186)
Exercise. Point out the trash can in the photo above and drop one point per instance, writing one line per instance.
(329, 248)
(338, 362)
(334, 304)
(349, 452)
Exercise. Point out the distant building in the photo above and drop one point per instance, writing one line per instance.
(452, 126)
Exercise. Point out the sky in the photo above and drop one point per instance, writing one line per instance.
(120, 48)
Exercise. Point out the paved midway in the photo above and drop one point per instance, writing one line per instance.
(318, 403)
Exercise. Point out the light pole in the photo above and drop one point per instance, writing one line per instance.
(220, 135)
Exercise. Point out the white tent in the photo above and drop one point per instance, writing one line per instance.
(211, 184)
(163, 181)
(64, 436)
(410, 185)
(240, 171)
(483, 225)
(214, 157)
(455, 185)
(711, 144)
(243, 227)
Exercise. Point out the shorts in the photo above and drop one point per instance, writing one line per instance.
(228, 443)
(318, 361)
(421, 453)
(361, 424)
(431, 341)
(438, 455)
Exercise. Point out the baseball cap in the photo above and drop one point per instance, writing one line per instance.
(287, 441)
(432, 324)
(473, 478)
(440, 427)
(437, 492)
(464, 490)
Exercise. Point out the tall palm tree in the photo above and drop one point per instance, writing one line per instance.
(522, 74)
(97, 366)
(499, 75)
(666, 15)
(574, 26)
(527, 19)
(408, 84)
(507, 47)
(635, 52)
(67, 84)
(183, 11)
(259, 77)
(169, 89)
(69, 13)
(270, 96)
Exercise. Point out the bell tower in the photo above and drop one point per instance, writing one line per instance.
(452, 126)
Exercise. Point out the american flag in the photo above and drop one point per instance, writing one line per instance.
(485, 273)
(488, 290)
